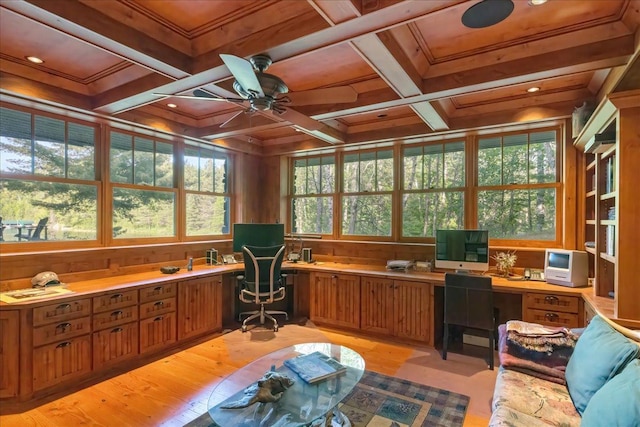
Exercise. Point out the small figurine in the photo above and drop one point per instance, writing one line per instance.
(269, 388)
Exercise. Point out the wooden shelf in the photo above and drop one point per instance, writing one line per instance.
(590, 250)
(591, 222)
(591, 193)
(608, 153)
(611, 195)
(591, 165)
(610, 258)
(608, 222)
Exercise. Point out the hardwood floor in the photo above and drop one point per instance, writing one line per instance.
(174, 390)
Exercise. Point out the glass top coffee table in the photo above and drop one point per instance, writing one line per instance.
(302, 404)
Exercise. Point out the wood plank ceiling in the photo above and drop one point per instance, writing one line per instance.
(416, 69)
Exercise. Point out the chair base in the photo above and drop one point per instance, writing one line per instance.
(262, 314)
(492, 342)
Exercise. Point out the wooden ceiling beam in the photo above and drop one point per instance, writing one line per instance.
(90, 26)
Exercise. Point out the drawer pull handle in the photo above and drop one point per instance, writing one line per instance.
(116, 313)
(159, 318)
(551, 316)
(157, 288)
(63, 326)
(116, 330)
(63, 306)
(114, 296)
(551, 299)
(159, 304)
(63, 344)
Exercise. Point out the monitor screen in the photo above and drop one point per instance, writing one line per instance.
(257, 235)
(557, 260)
(462, 249)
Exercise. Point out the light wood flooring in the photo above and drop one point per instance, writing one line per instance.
(174, 390)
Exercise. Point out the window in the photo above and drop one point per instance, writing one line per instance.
(144, 200)
(433, 189)
(313, 192)
(207, 199)
(518, 186)
(368, 188)
(47, 170)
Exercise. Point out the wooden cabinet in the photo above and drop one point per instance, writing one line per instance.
(9, 353)
(396, 307)
(335, 299)
(553, 310)
(199, 306)
(61, 342)
(115, 327)
(157, 317)
(612, 205)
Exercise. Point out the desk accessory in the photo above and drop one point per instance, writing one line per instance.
(314, 367)
(212, 257)
(169, 269)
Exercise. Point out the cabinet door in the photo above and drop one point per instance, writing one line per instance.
(412, 310)
(335, 299)
(157, 332)
(115, 344)
(199, 306)
(61, 361)
(376, 311)
(9, 353)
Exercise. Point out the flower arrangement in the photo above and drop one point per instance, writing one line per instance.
(505, 262)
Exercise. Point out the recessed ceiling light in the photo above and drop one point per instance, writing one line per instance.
(34, 59)
(487, 13)
(172, 105)
(536, 2)
(533, 89)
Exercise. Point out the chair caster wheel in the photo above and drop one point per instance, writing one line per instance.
(275, 329)
(244, 328)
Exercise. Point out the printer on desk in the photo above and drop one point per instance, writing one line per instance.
(399, 264)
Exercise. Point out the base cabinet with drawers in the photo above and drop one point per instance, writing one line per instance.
(61, 342)
(115, 327)
(199, 306)
(553, 309)
(158, 327)
(9, 353)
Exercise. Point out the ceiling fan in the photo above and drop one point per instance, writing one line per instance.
(267, 93)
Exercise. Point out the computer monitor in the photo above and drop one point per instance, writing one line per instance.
(566, 267)
(257, 235)
(462, 250)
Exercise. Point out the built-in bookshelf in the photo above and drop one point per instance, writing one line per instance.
(611, 203)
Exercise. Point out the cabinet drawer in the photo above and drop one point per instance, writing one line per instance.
(552, 318)
(61, 311)
(114, 300)
(61, 361)
(59, 331)
(552, 302)
(115, 317)
(155, 308)
(157, 332)
(157, 292)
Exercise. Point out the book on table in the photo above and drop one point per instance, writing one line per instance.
(314, 367)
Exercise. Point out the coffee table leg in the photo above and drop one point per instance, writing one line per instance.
(335, 418)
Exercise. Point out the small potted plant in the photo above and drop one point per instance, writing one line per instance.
(505, 262)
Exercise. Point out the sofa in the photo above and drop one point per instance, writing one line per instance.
(597, 384)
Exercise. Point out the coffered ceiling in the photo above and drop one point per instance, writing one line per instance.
(413, 68)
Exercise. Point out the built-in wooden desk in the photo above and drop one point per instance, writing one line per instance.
(111, 324)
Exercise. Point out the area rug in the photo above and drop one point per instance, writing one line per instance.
(379, 400)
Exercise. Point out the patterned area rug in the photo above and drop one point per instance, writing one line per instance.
(382, 401)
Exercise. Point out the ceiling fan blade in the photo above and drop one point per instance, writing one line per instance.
(201, 95)
(330, 95)
(243, 72)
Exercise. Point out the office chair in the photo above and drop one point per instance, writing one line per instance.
(35, 235)
(468, 302)
(262, 282)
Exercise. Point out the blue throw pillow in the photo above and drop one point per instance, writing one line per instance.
(600, 354)
(617, 403)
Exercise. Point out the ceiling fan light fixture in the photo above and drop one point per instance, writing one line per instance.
(487, 13)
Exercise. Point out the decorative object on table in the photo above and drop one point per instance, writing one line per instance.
(314, 367)
(387, 400)
(269, 388)
(505, 262)
(45, 278)
(169, 269)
